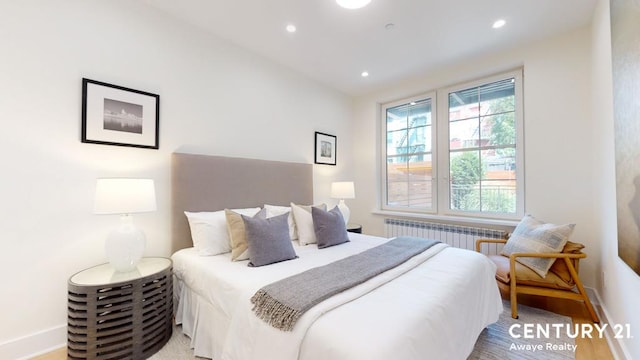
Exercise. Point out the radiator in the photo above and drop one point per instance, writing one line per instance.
(455, 235)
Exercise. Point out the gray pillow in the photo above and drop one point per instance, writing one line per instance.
(268, 239)
(329, 227)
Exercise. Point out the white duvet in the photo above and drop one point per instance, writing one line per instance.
(434, 306)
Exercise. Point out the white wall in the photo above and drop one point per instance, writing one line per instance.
(215, 98)
(619, 286)
(569, 150)
(558, 133)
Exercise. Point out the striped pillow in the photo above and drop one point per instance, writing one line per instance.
(534, 236)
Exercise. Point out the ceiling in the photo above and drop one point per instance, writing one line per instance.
(335, 45)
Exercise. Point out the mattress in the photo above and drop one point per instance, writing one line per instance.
(435, 306)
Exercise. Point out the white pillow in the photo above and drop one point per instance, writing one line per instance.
(209, 230)
(304, 222)
(274, 210)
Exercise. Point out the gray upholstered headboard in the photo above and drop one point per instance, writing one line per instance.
(211, 183)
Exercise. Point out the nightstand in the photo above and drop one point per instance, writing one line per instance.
(354, 228)
(120, 315)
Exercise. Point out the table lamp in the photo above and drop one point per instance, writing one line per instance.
(125, 244)
(343, 190)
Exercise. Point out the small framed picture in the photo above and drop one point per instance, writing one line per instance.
(326, 148)
(115, 115)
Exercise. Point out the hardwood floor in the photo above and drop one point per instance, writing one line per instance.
(59, 354)
(588, 349)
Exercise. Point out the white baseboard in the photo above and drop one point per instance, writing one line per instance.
(38, 343)
(618, 349)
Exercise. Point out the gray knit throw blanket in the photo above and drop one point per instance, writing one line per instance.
(281, 303)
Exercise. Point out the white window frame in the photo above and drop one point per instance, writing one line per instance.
(440, 152)
(383, 165)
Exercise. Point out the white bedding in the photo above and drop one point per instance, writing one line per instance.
(435, 308)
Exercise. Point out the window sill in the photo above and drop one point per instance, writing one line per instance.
(462, 220)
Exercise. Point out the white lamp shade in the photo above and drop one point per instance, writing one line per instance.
(124, 196)
(353, 4)
(343, 190)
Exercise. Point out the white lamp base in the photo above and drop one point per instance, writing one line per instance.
(125, 245)
(344, 209)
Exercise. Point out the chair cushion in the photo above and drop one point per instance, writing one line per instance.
(559, 267)
(534, 236)
(526, 276)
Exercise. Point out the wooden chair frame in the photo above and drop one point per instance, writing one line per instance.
(570, 259)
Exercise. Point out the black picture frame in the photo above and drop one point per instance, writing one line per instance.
(326, 149)
(116, 115)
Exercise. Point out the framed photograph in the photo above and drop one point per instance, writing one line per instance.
(626, 107)
(116, 115)
(326, 149)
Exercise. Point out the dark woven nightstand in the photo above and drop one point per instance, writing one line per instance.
(120, 315)
(354, 228)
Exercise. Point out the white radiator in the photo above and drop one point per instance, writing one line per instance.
(455, 235)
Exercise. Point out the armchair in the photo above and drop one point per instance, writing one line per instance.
(561, 281)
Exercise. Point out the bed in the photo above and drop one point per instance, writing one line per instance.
(434, 305)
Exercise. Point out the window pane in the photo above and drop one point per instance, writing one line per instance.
(420, 169)
(497, 164)
(419, 113)
(465, 175)
(397, 118)
(397, 184)
(409, 132)
(409, 183)
(464, 134)
(498, 97)
(483, 177)
(419, 139)
(463, 104)
(396, 137)
(498, 196)
(420, 177)
(498, 185)
(420, 195)
(500, 129)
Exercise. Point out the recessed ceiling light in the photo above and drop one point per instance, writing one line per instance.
(364, 74)
(353, 4)
(291, 28)
(499, 23)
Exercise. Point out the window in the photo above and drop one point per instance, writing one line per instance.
(456, 151)
(409, 155)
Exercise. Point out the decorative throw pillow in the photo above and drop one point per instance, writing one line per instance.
(559, 267)
(534, 236)
(274, 210)
(237, 233)
(304, 222)
(268, 240)
(209, 231)
(329, 227)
